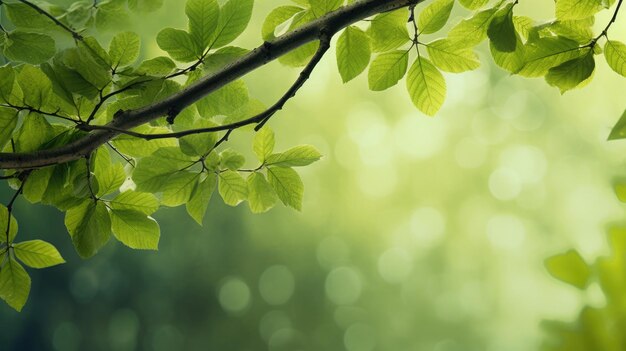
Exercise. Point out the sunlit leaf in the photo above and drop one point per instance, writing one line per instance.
(298, 156)
(426, 86)
(261, 195)
(577, 9)
(353, 53)
(434, 16)
(37, 254)
(263, 144)
(145, 203)
(89, 226)
(14, 284)
(615, 53)
(572, 73)
(232, 187)
(288, 186)
(203, 18)
(387, 69)
(124, 49)
(200, 198)
(135, 230)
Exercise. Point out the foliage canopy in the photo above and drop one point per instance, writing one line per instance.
(108, 136)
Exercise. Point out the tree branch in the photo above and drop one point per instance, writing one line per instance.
(328, 25)
(260, 119)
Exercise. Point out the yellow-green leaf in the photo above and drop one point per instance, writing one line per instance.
(426, 86)
(37, 254)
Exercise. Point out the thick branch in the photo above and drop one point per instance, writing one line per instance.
(327, 25)
(259, 119)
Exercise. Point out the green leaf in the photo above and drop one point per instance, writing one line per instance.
(135, 230)
(225, 101)
(470, 32)
(92, 68)
(14, 284)
(570, 268)
(222, 57)
(388, 31)
(232, 187)
(79, 15)
(8, 88)
(113, 14)
(110, 179)
(200, 198)
(298, 156)
(263, 143)
(473, 4)
(502, 31)
(26, 17)
(322, 7)
(353, 53)
(178, 188)
(89, 225)
(8, 122)
(523, 26)
(435, 16)
(615, 54)
(300, 56)
(231, 159)
(579, 30)
(145, 203)
(288, 186)
(179, 45)
(158, 66)
(261, 195)
(124, 49)
(278, 16)
(511, 61)
(199, 144)
(449, 57)
(35, 132)
(4, 218)
(234, 18)
(37, 254)
(154, 172)
(426, 86)
(572, 73)
(33, 48)
(60, 189)
(541, 54)
(35, 85)
(577, 9)
(387, 69)
(618, 131)
(203, 18)
(38, 181)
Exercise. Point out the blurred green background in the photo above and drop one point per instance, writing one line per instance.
(417, 233)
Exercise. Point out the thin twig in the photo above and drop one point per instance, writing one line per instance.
(36, 110)
(10, 207)
(605, 31)
(127, 159)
